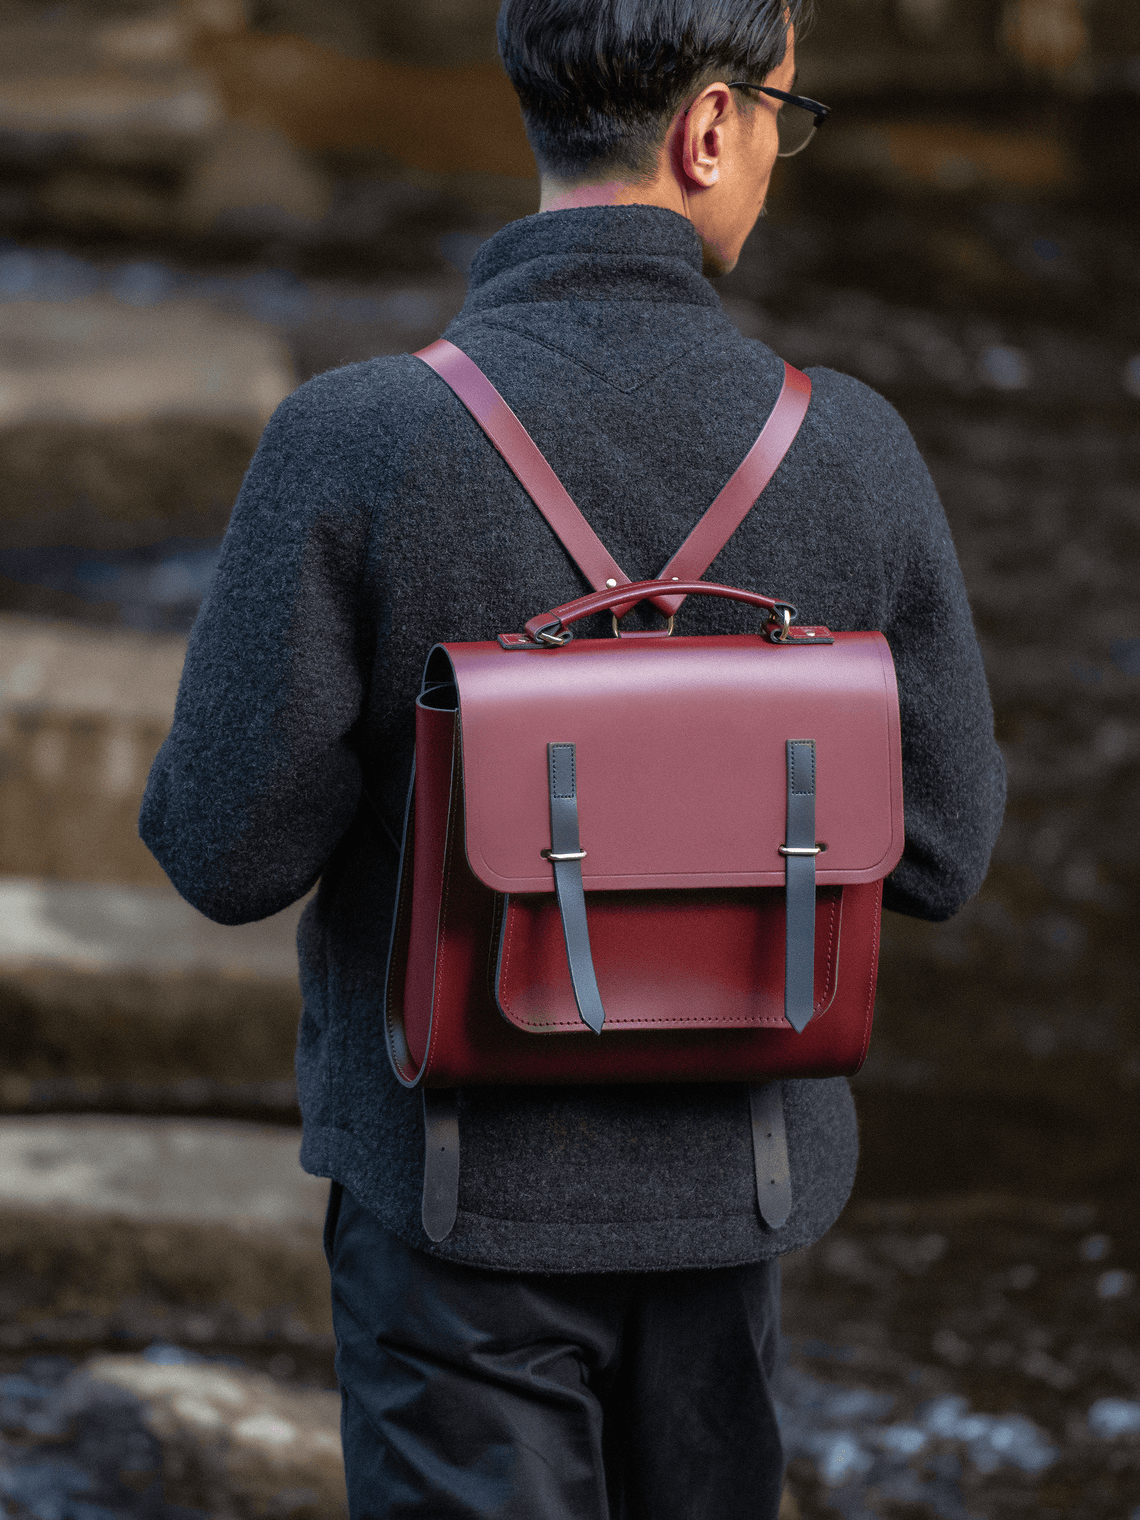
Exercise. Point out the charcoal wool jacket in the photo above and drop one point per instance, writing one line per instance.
(376, 520)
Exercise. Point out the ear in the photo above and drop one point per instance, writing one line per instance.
(702, 137)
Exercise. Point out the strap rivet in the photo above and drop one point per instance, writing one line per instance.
(611, 583)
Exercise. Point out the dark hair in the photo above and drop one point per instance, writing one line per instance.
(600, 80)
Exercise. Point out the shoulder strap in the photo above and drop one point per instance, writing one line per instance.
(526, 460)
(550, 496)
(737, 498)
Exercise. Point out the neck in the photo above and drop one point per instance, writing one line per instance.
(568, 195)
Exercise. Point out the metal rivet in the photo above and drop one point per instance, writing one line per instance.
(611, 583)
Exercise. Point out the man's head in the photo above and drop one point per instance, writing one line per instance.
(629, 101)
(601, 80)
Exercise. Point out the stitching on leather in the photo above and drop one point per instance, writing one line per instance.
(497, 913)
(617, 1022)
(445, 892)
(505, 973)
(871, 982)
(825, 1001)
(403, 911)
(558, 760)
(792, 748)
(570, 1023)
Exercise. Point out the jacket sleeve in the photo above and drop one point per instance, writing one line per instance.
(953, 772)
(259, 776)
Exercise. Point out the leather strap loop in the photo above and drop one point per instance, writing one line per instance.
(565, 857)
(799, 878)
(527, 462)
(441, 1161)
(770, 1154)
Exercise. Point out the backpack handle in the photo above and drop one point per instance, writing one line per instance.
(552, 628)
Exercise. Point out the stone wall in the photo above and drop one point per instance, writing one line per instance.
(952, 46)
(159, 120)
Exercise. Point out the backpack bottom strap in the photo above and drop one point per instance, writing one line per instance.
(770, 1154)
(441, 1161)
(441, 1158)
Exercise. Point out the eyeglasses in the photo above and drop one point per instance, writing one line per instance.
(796, 128)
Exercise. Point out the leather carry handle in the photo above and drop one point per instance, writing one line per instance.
(548, 627)
(530, 467)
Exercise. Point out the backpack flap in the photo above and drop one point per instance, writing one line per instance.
(681, 758)
(681, 771)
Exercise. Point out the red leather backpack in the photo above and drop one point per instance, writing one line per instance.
(643, 858)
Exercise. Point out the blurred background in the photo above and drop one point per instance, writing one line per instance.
(201, 205)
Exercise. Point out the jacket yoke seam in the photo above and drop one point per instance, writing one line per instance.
(625, 390)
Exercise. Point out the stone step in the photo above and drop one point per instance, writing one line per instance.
(82, 713)
(117, 998)
(124, 423)
(230, 1441)
(211, 1437)
(46, 923)
(104, 361)
(131, 1229)
(114, 993)
(166, 124)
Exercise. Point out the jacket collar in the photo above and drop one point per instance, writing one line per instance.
(592, 253)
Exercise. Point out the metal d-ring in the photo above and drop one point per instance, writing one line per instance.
(779, 623)
(544, 636)
(668, 625)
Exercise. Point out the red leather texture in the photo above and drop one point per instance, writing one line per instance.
(704, 960)
(470, 1042)
(435, 748)
(681, 758)
(681, 795)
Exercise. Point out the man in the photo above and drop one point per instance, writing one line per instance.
(596, 1336)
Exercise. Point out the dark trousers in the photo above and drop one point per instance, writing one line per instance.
(524, 1396)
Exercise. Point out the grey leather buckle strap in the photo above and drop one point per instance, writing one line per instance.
(799, 851)
(566, 855)
(770, 1153)
(441, 1161)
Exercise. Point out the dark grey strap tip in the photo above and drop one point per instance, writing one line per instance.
(441, 1162)
(566, 855)
(799, 852)
(770, 1154)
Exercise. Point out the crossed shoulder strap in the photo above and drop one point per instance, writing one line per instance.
(550, 496)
